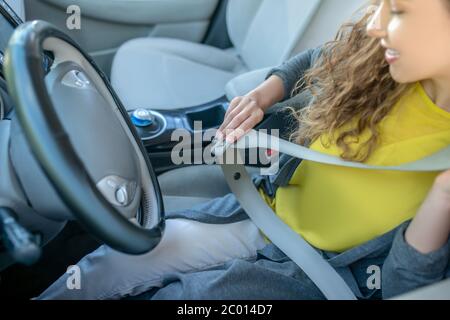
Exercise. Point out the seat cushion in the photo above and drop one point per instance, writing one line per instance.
(185, 187)
(170, 74)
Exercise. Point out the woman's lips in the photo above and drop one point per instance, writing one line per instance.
(391, 56)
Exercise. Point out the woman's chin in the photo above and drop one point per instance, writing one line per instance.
(399, 76)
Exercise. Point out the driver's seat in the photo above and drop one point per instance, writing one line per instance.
(186, 187)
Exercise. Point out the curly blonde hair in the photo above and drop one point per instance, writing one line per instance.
(350, 81)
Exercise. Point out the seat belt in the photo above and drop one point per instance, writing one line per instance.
(324, 276)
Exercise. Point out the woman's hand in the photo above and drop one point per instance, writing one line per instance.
(243, 114)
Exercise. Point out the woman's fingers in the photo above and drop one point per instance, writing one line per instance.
(245, 105)
(239, 118)
(242, 115)
(244, 128)
(236, 107)
(234, 104)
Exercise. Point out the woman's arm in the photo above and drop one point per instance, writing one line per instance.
(294, 69)
(420, 252)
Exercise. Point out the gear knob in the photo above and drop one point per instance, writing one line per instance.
(142, 117)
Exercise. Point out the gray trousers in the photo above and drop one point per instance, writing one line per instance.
(381, 268)
(243, 266)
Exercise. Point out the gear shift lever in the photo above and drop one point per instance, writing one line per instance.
(143, 117)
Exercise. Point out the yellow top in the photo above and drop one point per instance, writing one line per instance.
(337, 208)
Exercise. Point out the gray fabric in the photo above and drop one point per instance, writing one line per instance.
(173, 203)
(244, 83)
(251, 32)
(283, 279)
(294, 69)
(222, 210)
(170, 74)
(271, 277)
(406, 269)
(142, 12)
(175, 182)
(327, 22)
(177, 196)
(239, 17)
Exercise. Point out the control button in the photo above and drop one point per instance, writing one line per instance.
(118, 191)
(76, 79)
(142, 118)
(122, 195)
(111, 183)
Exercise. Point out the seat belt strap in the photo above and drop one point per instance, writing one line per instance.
(439, 161)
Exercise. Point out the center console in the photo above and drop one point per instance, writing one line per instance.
(156, 128)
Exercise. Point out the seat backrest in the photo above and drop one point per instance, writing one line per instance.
(264, 32)
(327, 20)
(18, 7)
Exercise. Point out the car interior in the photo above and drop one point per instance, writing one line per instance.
(150, 68)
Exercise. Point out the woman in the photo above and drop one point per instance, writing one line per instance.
(379, 96)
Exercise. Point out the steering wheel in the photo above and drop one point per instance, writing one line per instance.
(82, 138)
